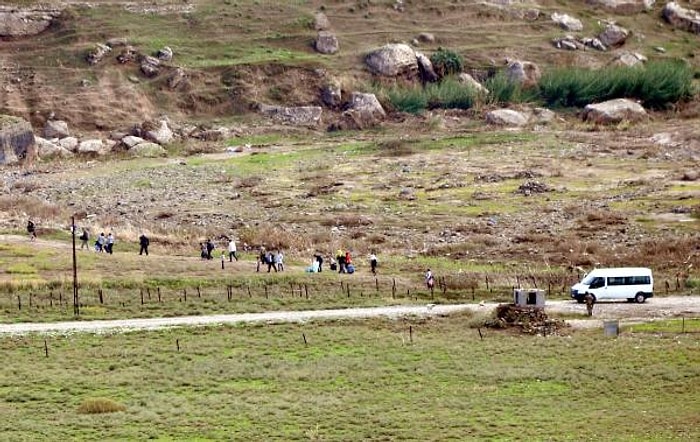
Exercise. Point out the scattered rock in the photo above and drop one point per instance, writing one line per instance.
(530, 187)
(331, 96)
(594, 43)
(467, 79)
(56, 129)
(690, 175)
(407, 194)
(161, 135)
(165, 54)
(506, 117)
(629, 59)
(425, 67)
(131, 141)
(296, 116)
(682, 18)
(96, 54)
(176, 78)
(614, 111)
(91, 147)
(542, 115)
(613, 35)
(624, 6)
(321, 22)
(362, 111)
(69, 143)
(150, 66)
(147, 150)
(426, 37)
(326, 43)
(524, 72)
(366, 103)
(47, 149)
(16, 140)
(568, 42)
(567, 22)
(117, 42)
(127, 54)
(393, 60)
(23, 22)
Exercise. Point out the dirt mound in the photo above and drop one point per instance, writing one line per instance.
(529, 320)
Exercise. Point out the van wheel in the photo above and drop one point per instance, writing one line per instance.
(640, 298)
(630, 299)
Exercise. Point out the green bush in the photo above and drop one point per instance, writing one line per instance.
(412, 99)
(656, 85)
(502, 90)
(451, 94)
(446, 62)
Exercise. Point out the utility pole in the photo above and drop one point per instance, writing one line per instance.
(76, 301)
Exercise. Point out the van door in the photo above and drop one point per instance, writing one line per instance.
(617, 288)
(598, 288)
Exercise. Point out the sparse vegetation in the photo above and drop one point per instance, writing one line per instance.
(446, 62)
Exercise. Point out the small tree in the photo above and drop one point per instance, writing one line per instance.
(446, 62)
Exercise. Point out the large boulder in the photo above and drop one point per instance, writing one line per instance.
(147, 150)
(392, 60)
(682, 18)
(362, 111)
(567, 22)
(150, 66)
(613, 35)
(69, 143)
(56, 129)
(165, 54)
(92, 147)
(507, 117)
(16, 140)
(624, 6)
(614, 111)
(161, 134)
(332, 95)
(47, 149)
(326, 42)
(23, 22)
(628, 59)
(523, 72)
(425, 67)
(296, 116)
(97, 53)
(470, 81)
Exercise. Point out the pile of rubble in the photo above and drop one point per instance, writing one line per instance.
(530, 320)
(530, 187)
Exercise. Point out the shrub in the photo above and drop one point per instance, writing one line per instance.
(451, 94)
(446, 62)
(502, 89)
(100, 405)
(412, 100)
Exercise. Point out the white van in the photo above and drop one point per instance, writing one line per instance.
(630, 283)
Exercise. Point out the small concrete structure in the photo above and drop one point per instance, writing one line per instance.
(611, 328)
(528, 298)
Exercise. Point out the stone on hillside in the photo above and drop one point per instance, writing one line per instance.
(366, 103)
(69, 143)
(47, 149)
(392, 60)
(567, 42)
(176, 78)
(629, 59)
(682, 18)
(614, 111)
(56, 129)
(425, 67)
(91, 147)
(165, 54)
(127, 54)
(326, 43)
(131, 141)
(96, 54)
(117, 42)
(624, 6)
(567, 22)
(524, 72)
(594, 43)
(23, 22)
(321, 22)
(148, 150)
(690, 175)
(506, 117)
(16, 140)
(162, 134)
(296, 116)
(150, 66)
(363, 111)
(331, 95)
(426, 37)
(467, 79)
(541, 115)
(613, 35)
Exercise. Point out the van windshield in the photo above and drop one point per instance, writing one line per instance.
(588, 279)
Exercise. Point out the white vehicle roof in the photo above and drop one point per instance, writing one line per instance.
(621, 271)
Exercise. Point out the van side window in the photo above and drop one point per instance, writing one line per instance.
(637, 280)
(597, 283)
(618, 280)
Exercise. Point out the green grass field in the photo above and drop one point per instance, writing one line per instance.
(370, 380)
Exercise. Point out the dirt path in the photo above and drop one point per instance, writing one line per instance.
(655, 308)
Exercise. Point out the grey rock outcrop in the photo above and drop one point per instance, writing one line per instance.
(624, 6)
(296, 116)
(16, 140)
(425, 67)
(392, 60)
(326, 42)
(147, 150)
(614, 111)
(523, 72)
(165, 54)
(69, 143)
(161, 134)
(150, 66)
(628, 59)
(56, 129)
(22, 22)
(46, 149)
(506, 117)
(367, 104)
(131, 141)
(97, 54)
(331, 95)
(613, 35)
(682, 18)
(92, 147)
(567, 22)
(362, 111)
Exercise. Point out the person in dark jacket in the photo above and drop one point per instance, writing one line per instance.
(144, 242)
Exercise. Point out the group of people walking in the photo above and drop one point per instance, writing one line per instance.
(103, 243)
(273, 260)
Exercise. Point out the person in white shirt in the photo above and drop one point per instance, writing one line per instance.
(232, 250)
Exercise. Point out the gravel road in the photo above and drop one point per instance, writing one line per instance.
(655, 308)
